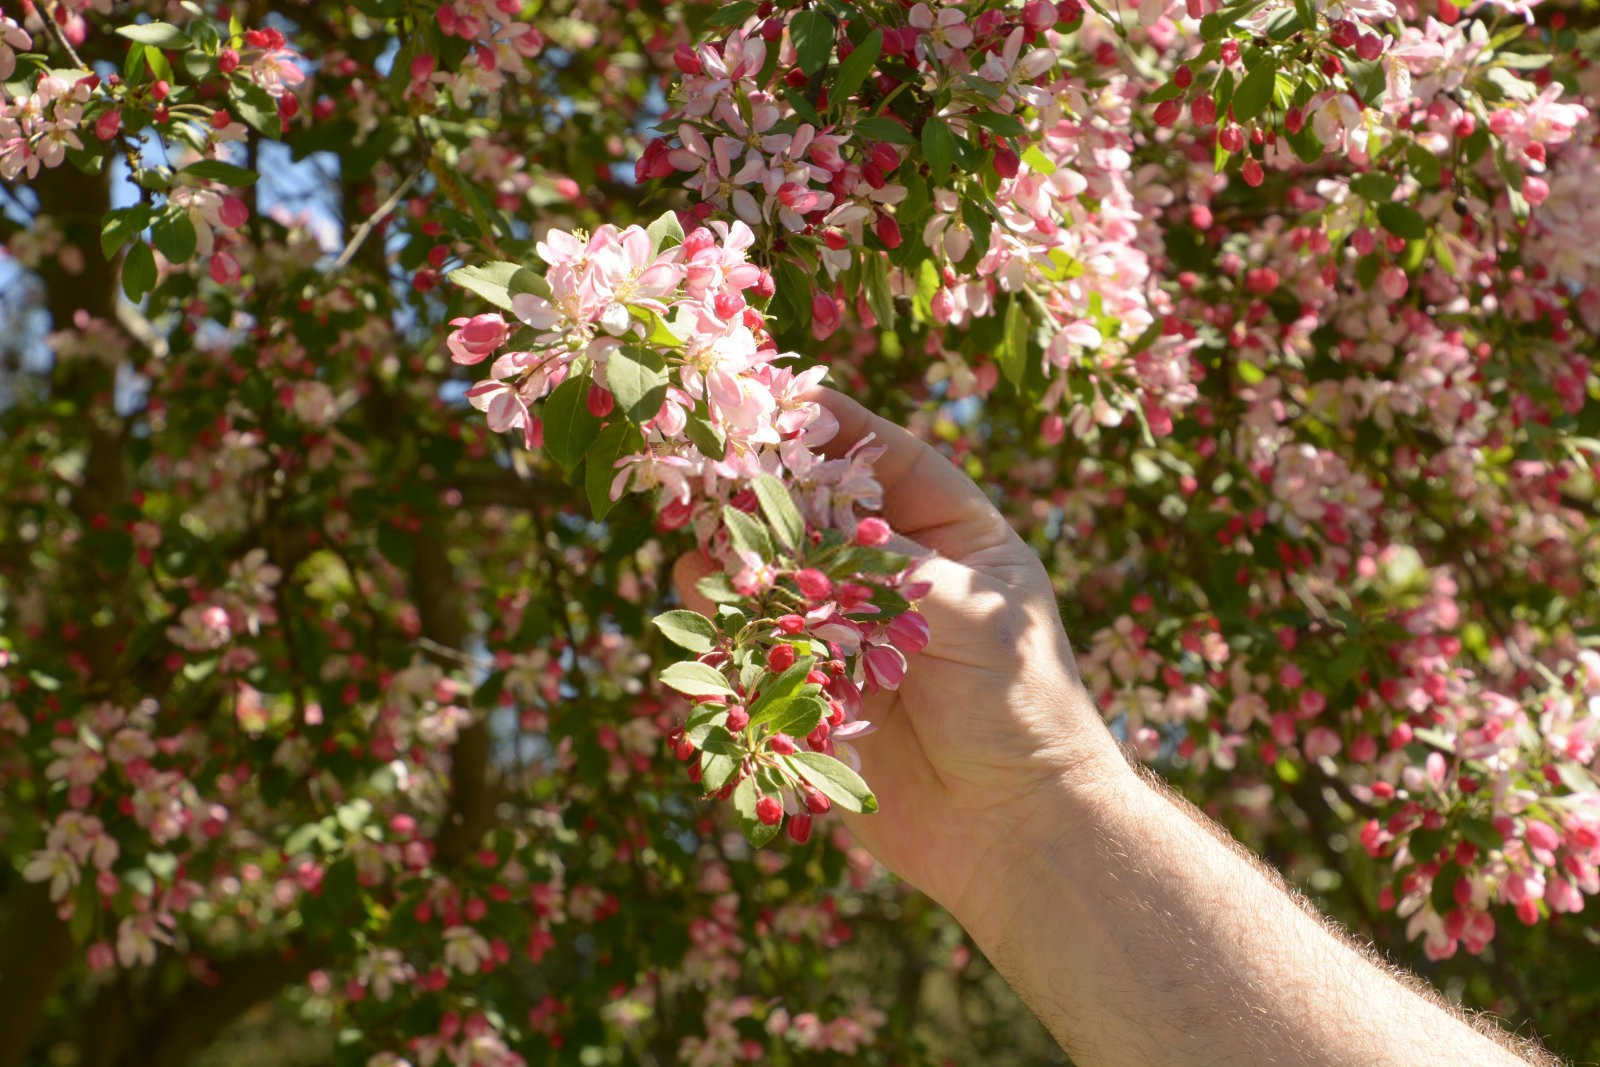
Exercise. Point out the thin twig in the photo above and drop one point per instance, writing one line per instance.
(49, 21)
(365, 229)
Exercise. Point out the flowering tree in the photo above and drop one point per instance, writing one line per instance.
(1271, 325)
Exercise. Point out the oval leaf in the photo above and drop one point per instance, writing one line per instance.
(687, 629)
(834, 780)
(696, 679)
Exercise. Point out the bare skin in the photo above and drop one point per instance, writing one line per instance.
(1134, 928)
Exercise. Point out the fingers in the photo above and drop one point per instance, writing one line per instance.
(925, 496)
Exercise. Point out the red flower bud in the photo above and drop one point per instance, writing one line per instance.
(600, 401)
(816, 802)
(888, 231)
(686, 59)
(228, 61)
(1006, 162)
(738, 718)
(1167, 113)
(769, 811)
(1183, 77)
(799, 829)
(1203, 109)
(780, 657)
(782, 744)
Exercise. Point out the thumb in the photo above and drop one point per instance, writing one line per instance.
(686, 574)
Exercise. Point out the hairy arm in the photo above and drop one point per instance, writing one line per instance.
(1145, 935)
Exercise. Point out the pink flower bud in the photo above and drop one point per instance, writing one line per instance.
(1369, 46)
(738, 717)
(234, 212)
(476, 338)
(1252, 173)
(782, 744)
(686, 60)
(600, 401)
(1006, 162)
(780, 657)
(224, 269)
(813, 583)
(1203, 110)
(108, 124)
(228, 61)
(888, 231)
(824, 315)
(816, 803)
(872, 531)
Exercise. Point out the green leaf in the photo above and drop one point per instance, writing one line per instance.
(665, 232)
(718, 588)
(637, 377)
(687, 629)
(855, 67)
(875, 279)
(938, 147)
(1012, 352)
(729, 15)
(160, 34)
(616, 440)
(138, 271)
(1368, 79)
(1374, 186)
(489, 280)
(745, 795)
(696, 679)
(794, 286)
(1255, 90)
(215, 170)
(812, 34)
(834, 780)
(747, 533)
(777, 692)
(174, 236)
(256, 107)
(706, 437)
(878, 128)
(569, 426)
(121, 227)
(780, 512)
(799, 716)
(998, 122)
(1403, 220)
(716, 769)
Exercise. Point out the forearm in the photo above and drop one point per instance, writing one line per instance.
(1143, 937)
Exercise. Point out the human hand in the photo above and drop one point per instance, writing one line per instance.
(991, 726)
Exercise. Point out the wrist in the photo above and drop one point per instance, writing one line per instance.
(1047, 843)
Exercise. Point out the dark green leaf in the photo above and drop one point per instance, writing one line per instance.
(855, 67)
(1403, 220)
(879, 128)
(799, 716)
(938, 147)
(812, 33)
(687, 629)
(616, 440)
(1255, 90)
(998, 122)
(706, 437)
(834, 780)
(569, 426)
(138, 271)
(174, 236)
(216, 170)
